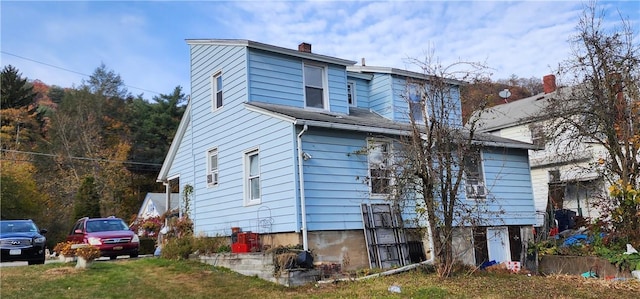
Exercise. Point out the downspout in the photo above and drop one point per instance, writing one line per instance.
(167, 199)
(303, 208)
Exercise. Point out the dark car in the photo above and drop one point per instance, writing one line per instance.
(111, 235)
(21, 240)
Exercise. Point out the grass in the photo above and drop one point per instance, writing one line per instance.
(161, 278)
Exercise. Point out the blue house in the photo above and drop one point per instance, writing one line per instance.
(271, 143)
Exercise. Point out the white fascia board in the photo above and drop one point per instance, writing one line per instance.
(271, 48)
(270, 113)
(349, 127)
(330, 125)
(400, 72)
(175, 144)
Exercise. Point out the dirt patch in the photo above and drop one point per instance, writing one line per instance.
(599, 283)
(62, 271)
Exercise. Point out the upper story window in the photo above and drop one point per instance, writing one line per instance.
(473, 175)
(379, 173)
(351, 93)
(212, 167)
(315, 86)
(252, 177)
(216, 90)
(416, 103)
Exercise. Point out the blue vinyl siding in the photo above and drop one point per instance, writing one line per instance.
(400, 105)
(277, 79)
(455, 116)
(380, 95)
(508, 179)
(362, 92)
(215, 210)
(338, 89)
(334, 179)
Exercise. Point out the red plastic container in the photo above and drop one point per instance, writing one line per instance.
(246, 242)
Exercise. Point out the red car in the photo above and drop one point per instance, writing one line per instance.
(111, 235)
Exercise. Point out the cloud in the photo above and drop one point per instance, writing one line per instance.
(144, 41)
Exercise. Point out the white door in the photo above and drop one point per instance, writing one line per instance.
(498, 244)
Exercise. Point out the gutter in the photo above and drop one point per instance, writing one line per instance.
(303, 207)
(167, 194)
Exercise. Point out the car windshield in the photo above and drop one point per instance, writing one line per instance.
(17, 227)
(105, 225)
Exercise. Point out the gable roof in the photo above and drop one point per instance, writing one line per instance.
(515, 113)
(159, 201)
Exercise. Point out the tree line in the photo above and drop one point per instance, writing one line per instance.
(92, 150)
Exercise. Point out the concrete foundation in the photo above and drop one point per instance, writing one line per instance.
(345, 248)
(576, 265)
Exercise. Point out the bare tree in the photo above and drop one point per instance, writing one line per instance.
(433, 159)
(602, 107)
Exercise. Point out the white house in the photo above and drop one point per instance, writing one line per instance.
(563, 178)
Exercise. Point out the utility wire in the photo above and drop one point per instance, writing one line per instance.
(68, 70)
(76, 158)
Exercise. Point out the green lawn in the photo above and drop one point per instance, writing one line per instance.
(161, 278)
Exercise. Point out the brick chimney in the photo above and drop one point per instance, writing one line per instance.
(549, 83)
(304, 47)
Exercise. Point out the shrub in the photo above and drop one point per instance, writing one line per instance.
(178, 248)
(209, 245)
(88, 252)
(149, 227)
(64, 248)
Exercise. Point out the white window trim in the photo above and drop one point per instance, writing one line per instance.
(214, 91)
(325, 86)
(372, 142)
(419, 90)
(482, 182)
(245, 176)
(354, 102)
(215, 176)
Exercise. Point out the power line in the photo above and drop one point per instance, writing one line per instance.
(68, 70)
(75, 158)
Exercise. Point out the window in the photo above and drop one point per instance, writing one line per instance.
(252, 176)
(212, 168)
(379, 173)
(474, 179)
(216, 91)
(351, 93)
(416, 102)
(314, 86)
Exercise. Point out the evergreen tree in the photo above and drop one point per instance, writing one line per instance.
(16, 92)
(87, 203)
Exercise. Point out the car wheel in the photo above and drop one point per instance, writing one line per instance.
(113, 257)
(133, 255)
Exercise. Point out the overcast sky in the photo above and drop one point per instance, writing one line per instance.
(62, 42)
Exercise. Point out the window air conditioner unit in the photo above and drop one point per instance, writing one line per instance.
(212, 178)
(476, 191)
